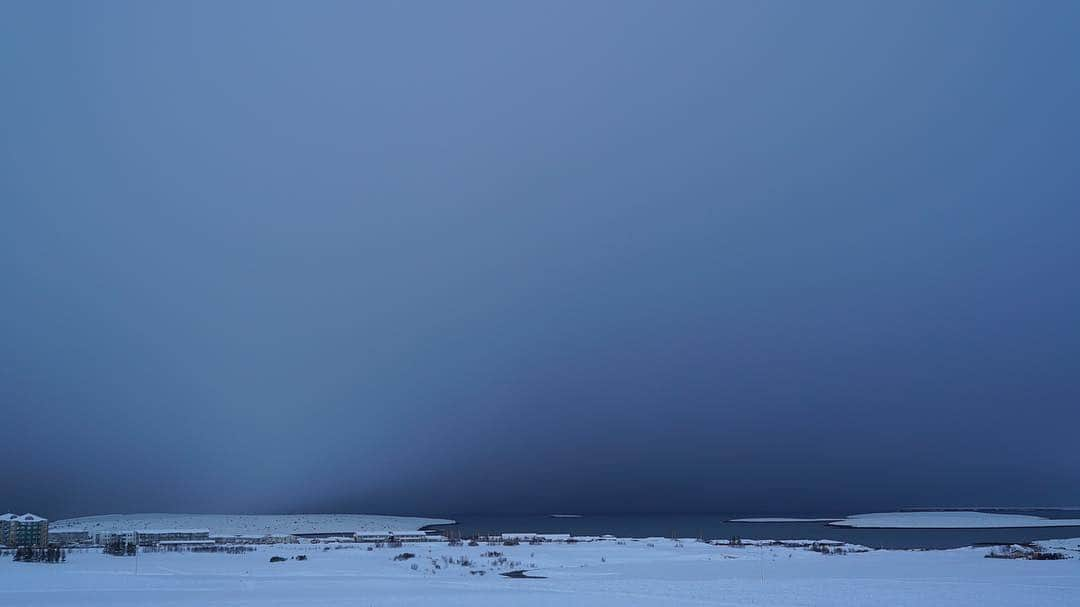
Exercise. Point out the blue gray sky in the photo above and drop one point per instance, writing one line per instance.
(434, 257)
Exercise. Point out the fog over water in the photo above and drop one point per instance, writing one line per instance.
(484, 257)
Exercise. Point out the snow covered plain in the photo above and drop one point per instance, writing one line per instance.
(603, 572)
(949, 520)
(247, 524)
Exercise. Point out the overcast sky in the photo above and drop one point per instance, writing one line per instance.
(451, 257)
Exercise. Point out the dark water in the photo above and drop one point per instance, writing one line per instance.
(709, 526)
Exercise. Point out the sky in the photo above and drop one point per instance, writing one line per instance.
(508, 257)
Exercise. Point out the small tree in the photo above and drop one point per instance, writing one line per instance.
(37, 554)
(120, 547)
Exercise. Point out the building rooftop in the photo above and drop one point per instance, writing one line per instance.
(30, 518)
(528, 536)
(185, 542)
(165, 531)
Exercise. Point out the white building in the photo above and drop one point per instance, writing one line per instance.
(528, 537)
(104, 538)
(391, 536)
(25, 530)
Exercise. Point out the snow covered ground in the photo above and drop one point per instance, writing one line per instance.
(949, 520)
(246, 524)
(606, 572)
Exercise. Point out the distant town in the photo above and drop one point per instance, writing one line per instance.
(32, 531)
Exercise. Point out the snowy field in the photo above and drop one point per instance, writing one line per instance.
(247, 524)
(949, 520)
(605, 572)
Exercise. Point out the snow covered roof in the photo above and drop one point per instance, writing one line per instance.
(30, 518)
(412, 532)
(9, 516)
(529, 536)
(185, 542)
(167, 531)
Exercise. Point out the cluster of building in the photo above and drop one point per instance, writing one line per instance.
(30, 530)
(170, 537)
(203, 537)
(18, 530)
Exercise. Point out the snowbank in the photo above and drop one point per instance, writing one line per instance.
(600, 573)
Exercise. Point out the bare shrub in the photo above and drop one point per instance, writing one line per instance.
(824, 548)
(1030, 552)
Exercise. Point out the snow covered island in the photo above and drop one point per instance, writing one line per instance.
(247, 524)
(949, 520)
(782, 519)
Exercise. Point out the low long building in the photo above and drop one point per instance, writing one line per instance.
(152, 537)
(391, 536)
(69, 537)
(322, 534)
(254, 539)
(529, 537)
(181, 544)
